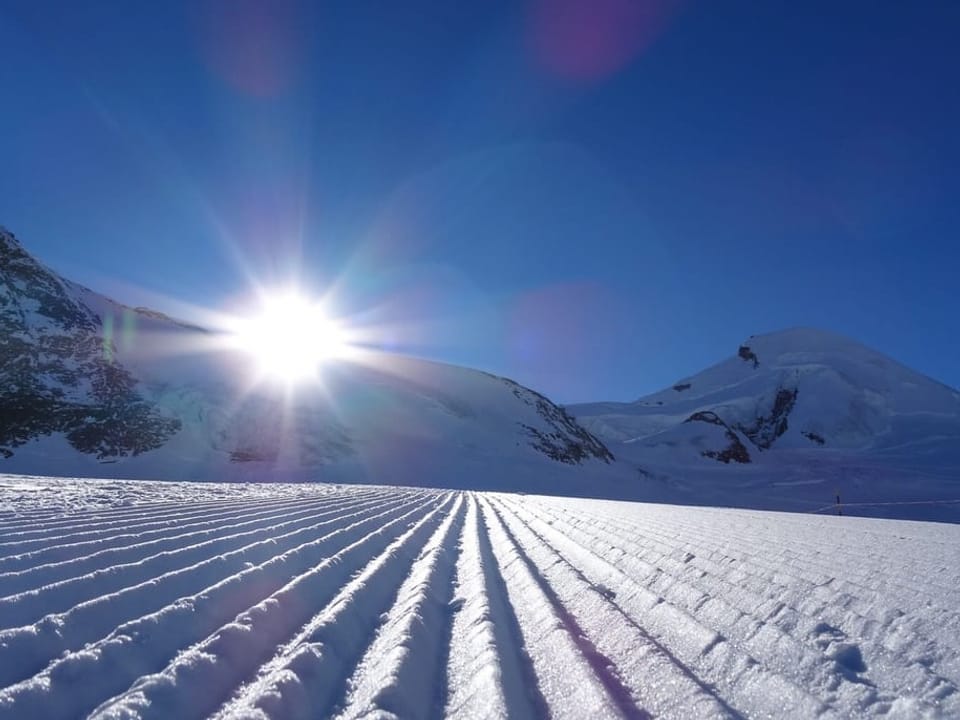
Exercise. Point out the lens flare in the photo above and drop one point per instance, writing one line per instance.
(292, 337)
(588, 40)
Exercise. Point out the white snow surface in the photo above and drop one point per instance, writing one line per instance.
(123, 599)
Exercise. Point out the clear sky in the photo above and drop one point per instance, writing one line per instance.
(594, 197)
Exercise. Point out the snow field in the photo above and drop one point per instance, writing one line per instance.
(347, 602)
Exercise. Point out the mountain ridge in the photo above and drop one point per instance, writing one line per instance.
(90, 386)
(780, 364)
(794, 419)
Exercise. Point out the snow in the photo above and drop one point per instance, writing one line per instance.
(386, 418)
(201, 412)
(789, 422)
(884, 437)
(850, 394)
(124, 599)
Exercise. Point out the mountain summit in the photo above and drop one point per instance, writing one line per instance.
(791, 419)
(796, 388)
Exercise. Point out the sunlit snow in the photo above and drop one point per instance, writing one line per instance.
(133, 599)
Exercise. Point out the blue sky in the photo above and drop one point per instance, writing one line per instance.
(594, 197)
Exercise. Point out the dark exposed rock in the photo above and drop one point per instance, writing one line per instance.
(767, 428)
(59, 375)
(56, 374)
(814, 437)
(130, 427)
(707, 416)
(239, 456)
(569, 442)
(763, 431)
(24, 282)
(680, 387)
(748, 355)
(736, 451)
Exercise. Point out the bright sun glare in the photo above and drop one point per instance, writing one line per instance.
(291, 337)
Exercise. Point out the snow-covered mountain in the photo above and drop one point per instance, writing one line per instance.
(797, 388)
(90, 387)
(93, 388)
(801, 413)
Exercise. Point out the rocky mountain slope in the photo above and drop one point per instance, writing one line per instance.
(799, 388)
(56, 376)
(90, 387)
(801, 412)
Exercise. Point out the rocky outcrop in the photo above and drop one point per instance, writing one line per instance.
(56, 372)
(707, 416)
(767, 428)
(63, 375)
(748, 355)
(567, 441)
(735, 451)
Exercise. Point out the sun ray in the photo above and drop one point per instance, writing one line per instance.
(291, 337)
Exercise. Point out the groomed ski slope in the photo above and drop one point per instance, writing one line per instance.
(163, 600)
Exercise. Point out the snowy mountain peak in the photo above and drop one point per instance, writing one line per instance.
(800, 345)
(798, 401)
(808, 338)
(795, 388)
(7, 237)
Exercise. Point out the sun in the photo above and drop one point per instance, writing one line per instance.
(291, 337)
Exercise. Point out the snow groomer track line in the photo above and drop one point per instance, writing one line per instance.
(163, 600)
